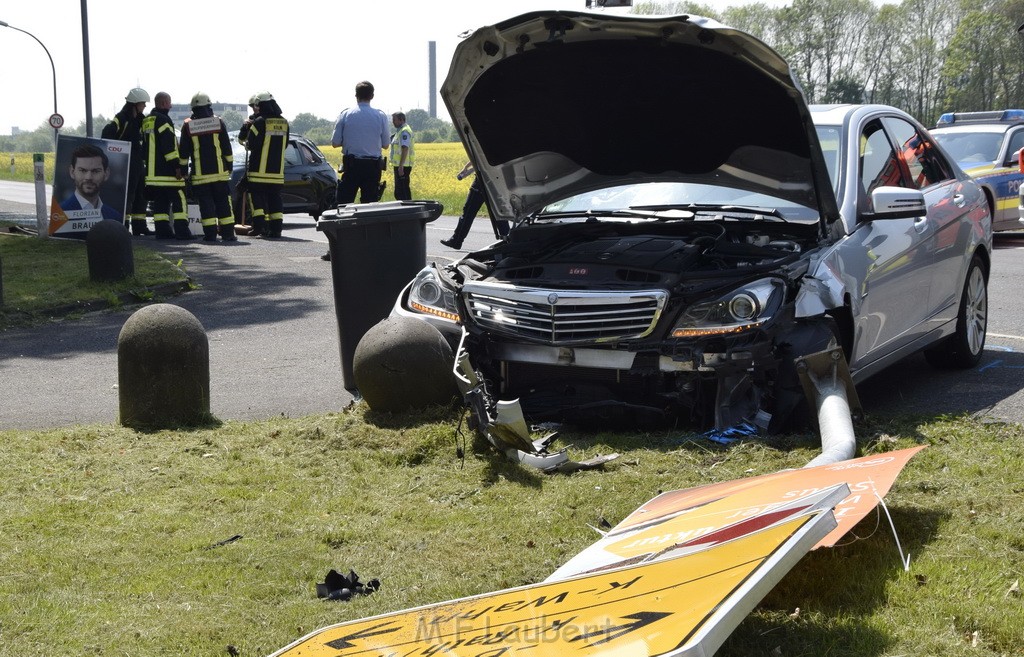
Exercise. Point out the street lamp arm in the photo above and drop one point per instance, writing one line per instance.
(52, 67)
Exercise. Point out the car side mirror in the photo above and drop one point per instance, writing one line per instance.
(897, 203)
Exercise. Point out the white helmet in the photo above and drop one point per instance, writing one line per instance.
(200, 100)
(137, 95)
(263, 96)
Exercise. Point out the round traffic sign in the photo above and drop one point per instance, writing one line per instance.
(56, 121)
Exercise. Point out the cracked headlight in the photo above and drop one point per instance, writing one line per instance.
(429, 295)
(742, 309)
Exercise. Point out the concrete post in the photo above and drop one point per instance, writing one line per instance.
(108, 247)
(163, 369)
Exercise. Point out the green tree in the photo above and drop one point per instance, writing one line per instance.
(305, 122)
(233, 119)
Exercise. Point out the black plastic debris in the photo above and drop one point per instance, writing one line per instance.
(342, 587)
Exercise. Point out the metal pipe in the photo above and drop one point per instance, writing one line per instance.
(828, 385)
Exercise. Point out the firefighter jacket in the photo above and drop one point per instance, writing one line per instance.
(161, 148)
(205, 141)
(127, 127)
(267, 140)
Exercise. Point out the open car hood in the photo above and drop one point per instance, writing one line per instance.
(551, 104)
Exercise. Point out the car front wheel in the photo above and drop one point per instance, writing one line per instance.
(963, 349)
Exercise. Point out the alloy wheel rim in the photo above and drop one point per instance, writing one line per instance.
(976, 311)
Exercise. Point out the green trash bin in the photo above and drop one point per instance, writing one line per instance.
(376, 249)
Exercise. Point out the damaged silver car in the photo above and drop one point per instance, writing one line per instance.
(686, 227)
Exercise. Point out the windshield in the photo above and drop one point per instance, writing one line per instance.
(970, 147)
(671, 195)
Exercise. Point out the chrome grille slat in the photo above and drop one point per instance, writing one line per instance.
(575, 317)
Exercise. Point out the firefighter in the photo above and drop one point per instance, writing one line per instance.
(127, 126)
(266, 139)
(165, 184)
(204, 140)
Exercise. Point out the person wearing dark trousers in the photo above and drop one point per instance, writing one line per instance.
(204, 140)
(474, 200)
(401, 156)
(267, 140)
(127, 126)
(165, 184)
(362, 133)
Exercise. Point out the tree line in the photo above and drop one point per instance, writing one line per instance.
(924, 56)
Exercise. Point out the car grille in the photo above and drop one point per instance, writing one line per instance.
(563, 316)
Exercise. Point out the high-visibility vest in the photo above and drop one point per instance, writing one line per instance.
(396, 146)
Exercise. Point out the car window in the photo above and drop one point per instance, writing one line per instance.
(292, 156)
(308, 154)
(879, 165)
(926, 165)
(971, 147)
(830, 138)
(1016, 143)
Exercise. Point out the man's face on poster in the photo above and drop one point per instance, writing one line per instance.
(89, 175)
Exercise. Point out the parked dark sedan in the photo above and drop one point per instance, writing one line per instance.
(310, 182)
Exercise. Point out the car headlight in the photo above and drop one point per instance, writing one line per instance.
(741, 310)
(430, 295)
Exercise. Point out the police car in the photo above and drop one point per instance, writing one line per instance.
(986, 145)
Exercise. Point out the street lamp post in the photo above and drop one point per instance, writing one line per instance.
(52, 68)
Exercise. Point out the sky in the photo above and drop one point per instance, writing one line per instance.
(310, 58)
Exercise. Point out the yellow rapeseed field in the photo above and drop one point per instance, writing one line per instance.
(433, 176)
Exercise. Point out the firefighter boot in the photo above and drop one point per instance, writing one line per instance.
(139, 227)
(227, 233)
(210, 233)
(181, 230)
(257, 225)
(163, 230)
(274, 227)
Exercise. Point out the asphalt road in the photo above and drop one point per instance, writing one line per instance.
(268, 310)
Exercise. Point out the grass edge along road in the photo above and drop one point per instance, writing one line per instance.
(43, 278)
(113, 541)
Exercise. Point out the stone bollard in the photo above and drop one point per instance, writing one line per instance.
(403, 363)
(163, 369)
(109, 249)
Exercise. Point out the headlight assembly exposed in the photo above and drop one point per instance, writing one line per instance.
(429, 295)
(742, 309)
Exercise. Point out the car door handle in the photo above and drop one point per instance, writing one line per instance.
(959, 200)
(921, 224)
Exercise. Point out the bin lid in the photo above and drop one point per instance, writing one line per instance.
(356, 214)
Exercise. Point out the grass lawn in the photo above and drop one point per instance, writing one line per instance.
(111, 540)
(42, 277)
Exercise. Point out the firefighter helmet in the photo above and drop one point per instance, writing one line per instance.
(263, 96)
(200, 100)
(137, 95)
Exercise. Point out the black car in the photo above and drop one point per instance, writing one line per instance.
(310, 182)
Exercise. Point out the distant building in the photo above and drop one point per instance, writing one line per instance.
(181, 111)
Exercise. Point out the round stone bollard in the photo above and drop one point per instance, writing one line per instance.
(403, 363)
(108, 247)
(163, 369)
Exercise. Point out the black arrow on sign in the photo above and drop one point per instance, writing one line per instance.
(346, 641)
(608, 633)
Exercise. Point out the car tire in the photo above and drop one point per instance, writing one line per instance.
(963, 349)
(327, 202)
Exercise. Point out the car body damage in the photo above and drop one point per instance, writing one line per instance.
(686, 230)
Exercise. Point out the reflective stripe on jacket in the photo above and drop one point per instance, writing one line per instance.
(396, 146)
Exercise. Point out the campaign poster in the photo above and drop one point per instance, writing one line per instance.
(90, 184)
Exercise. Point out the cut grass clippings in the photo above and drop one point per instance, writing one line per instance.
(114, 542)
(43, 278)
